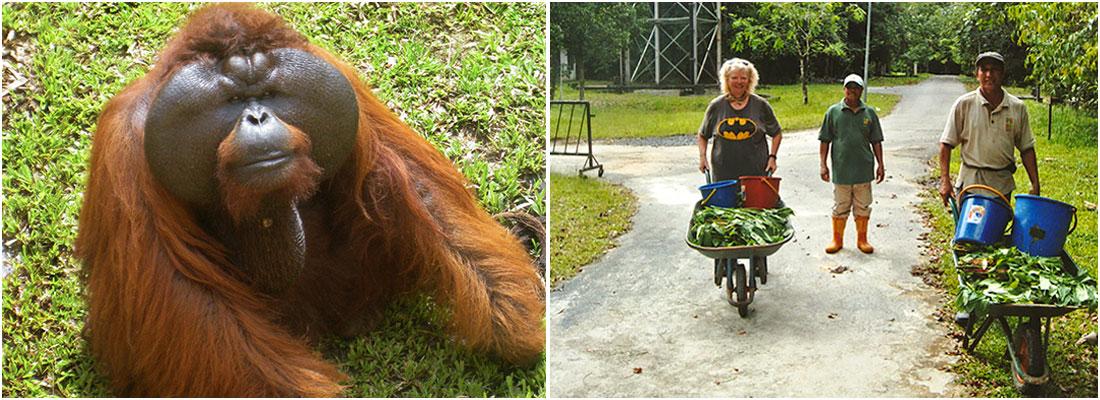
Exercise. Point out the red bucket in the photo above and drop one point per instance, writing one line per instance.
(760, 191)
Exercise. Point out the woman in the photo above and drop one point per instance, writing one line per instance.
(738, 120)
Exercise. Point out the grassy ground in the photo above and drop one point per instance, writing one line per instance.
(1067, 171)
(647, 114)
(468, 76)
(897, 80)
(575, 240)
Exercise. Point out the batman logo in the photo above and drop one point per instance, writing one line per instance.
(736, 128)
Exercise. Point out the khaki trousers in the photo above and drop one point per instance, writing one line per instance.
(849, 198)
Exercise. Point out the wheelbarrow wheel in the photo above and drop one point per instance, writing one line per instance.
(727, 269)
(1028, 345)
(719, 271)
(741, 288)
(736, 286)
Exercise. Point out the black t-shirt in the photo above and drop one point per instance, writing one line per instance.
(740, 148)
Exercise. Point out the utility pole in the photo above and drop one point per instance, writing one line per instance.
(867, 54)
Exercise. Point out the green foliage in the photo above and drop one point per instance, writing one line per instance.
(994, 275)
(588, 215)
(801, 29)
(469, 77)
(924, 33)
(1061, 41)
(730, 227)
(591, 33)
(982, 27)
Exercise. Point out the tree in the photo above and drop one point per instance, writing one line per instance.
(986, 27)
(803, 29)
(591, 32)
(1061, 39)
(925, 38)
(887, 39)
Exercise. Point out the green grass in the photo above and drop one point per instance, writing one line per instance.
(467, 76)
(1067, 172)
(877, 81)
(639, 114)
(971, 83)
(588, 215)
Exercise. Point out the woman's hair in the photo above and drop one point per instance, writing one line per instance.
(738, 64)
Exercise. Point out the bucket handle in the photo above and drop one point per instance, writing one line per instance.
(954, 209)
(712, 194)
(766, 182)
(1012, 225)
(1074, 227)
(706, 173)
(983, 187)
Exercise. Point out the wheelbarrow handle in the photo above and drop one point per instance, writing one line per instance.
(954, 209)
(706, 172)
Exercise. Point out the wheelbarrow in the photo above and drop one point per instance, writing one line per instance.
(741, 282)
(1026, 327)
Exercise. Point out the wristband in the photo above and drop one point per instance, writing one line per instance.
(773, 156)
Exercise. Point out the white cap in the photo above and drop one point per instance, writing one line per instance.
(854, 78)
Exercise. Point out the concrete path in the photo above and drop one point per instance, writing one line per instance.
(647, 321)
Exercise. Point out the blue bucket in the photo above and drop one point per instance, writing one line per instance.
(722, 194)
(1041, 225)
(982, 219)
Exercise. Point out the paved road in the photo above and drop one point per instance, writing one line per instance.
(646, 319)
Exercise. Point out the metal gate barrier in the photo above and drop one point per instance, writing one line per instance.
(577, 122)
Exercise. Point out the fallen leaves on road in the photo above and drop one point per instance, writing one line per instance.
(637, 370)
(832, 315)
(840, 269)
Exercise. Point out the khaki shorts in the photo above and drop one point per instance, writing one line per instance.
(849, 198)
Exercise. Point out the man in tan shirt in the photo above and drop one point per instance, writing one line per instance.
(987, 124)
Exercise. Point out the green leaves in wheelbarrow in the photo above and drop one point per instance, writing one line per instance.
(994, 275)
(729, 227)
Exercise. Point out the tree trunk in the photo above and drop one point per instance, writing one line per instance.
(555, 74)
(802, 77)
(580, 75)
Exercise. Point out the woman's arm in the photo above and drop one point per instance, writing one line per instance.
(778, 138)
(702, 142)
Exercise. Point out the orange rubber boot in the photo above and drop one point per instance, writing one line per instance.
(861, 235)
(838, 235)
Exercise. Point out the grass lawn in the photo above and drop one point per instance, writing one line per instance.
(470, 77)
(588, 214)
(647, 114)
(897, 80)
(1067, 172)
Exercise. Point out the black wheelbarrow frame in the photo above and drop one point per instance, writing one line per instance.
(1028, 341)
(740, 283)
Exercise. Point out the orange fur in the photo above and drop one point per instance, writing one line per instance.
(168, 317)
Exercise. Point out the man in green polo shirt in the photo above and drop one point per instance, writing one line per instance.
(852, 131)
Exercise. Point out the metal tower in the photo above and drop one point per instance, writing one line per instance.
(681, 50)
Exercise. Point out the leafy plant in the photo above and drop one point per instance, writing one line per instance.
(1061, 41)
(994, 275)
(729, 227)
(805, 30)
